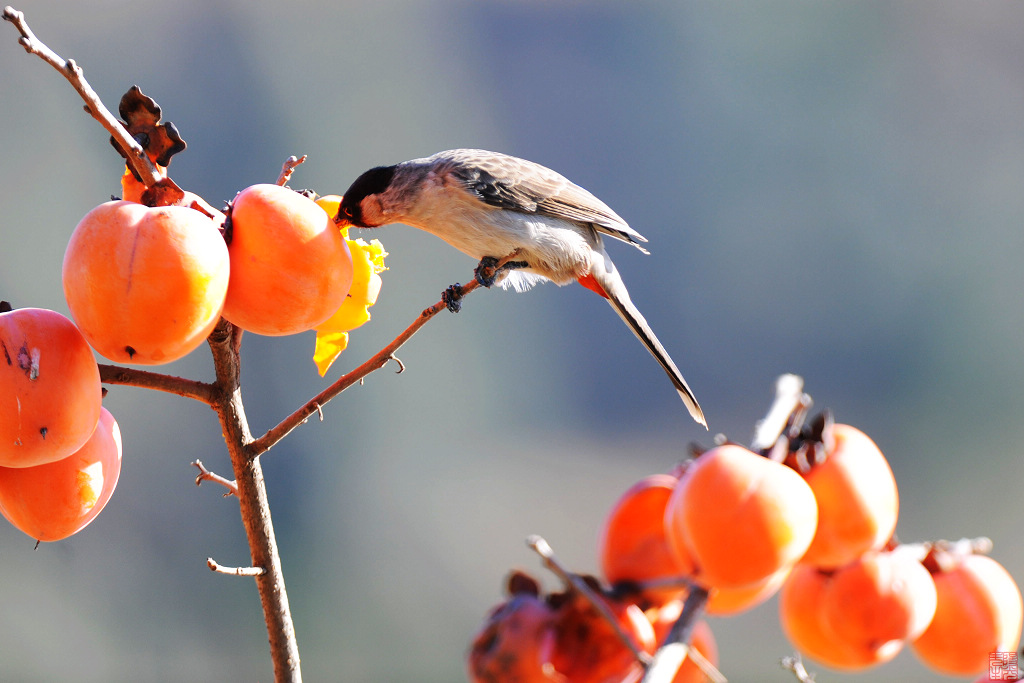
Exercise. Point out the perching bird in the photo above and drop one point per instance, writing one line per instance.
(505, 211)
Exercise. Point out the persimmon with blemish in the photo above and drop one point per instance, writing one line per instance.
(49, 388)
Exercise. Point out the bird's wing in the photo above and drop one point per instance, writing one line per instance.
(515, 184)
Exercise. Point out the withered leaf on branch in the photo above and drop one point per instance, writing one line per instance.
(140, 115)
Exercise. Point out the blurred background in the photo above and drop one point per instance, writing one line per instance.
(829, 189)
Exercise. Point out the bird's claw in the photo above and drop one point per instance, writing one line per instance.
(486, 271)
(489, 268)
(452, 298)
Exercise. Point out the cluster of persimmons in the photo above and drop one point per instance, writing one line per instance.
(146, 279)
(812, 519)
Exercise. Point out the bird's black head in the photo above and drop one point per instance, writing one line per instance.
(374, 181)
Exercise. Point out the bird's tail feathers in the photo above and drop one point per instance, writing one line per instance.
(604, 274)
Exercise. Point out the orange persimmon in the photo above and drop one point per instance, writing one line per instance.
(290, 266)
(979, 614)
(53, 501)
(740, 516)
(49, 388)
(145, 285)
(633, 545)
(857, 499)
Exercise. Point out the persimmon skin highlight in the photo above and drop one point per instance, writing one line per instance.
(145, 285)
(979, 613)
(290, 266)
(49, 388)
(53, 501)
(633, 546)
(741, 517)
(858, 503)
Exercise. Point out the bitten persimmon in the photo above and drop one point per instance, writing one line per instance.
(514, 645)
(633, 546)
(979, 613)
(290, 266)
(858, 503)
(880, 601)
(49, 388)
(53, 501)
(145, 285)
(586, 648)
(741, 516)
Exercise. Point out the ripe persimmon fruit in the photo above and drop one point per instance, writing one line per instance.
(858, 503)
(633, 545)
(145, 285)
(53, 501)
(741, 517)
(49, 388)
(290, 266)
(979, 613)
(880, 601)
(801, 616)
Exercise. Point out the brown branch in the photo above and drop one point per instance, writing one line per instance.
(234, 571)
(225, 342)
(207, 475)
(200, 391)
(288, 168)
(73, 73)
(376, 362)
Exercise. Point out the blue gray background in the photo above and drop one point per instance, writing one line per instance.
(830, 189)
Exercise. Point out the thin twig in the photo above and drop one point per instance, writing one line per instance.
(541, 547)
(234, 571)
(207, 475)
(789, 396)
(675, 649)
(200, 391)
(795, 664)
(136, 155)
(288, 168)
(376, 362)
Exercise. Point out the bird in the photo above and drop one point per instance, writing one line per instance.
(523, 222)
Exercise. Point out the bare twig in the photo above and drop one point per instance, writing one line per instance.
(789, 396)
(376, 362)
(541, 547)
(234, 571)
(207, 475)
(288, 168)
(116, 374)
(145, 168)
(795, 664)
(675, 649)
